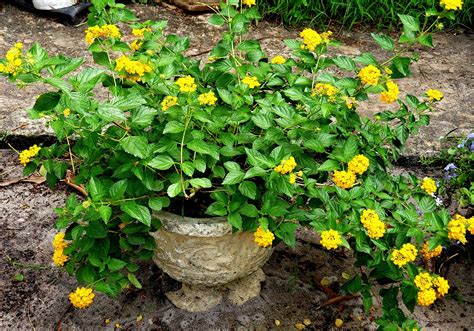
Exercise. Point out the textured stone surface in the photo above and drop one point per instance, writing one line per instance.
(206, 262)
(196, 227)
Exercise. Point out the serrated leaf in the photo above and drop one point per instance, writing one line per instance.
(384, 41)
(329, 165)
(174, 189)
(200, 182)
(173, 127)
(235, 220)
(116, 264)
(133, 279)
(138, 212)
(105, 212)
(345, 63)
(118, 189)
(233, 177)
(161, 162)
(248, 189)
(135, 145)
(410, 23)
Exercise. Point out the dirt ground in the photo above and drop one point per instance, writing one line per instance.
(33, 293)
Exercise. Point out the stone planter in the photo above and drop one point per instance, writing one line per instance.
(210, 261)
(195, 5)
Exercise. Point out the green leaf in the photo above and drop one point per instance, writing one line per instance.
(110, 113)
(116, 264)
(144, 116)
(135, 145)
(256, 159)
(383, 41)
(63, 69)
(329, 165)
(216, 20)
(200, 182)
(248, 210)
(155, 204)
(174, 127)
(350, 149)
(198, 145)
(217, 209)
(86, 274)
(255, 172)
(409, 295)
(131, 277)
(248, 189)
(174, 189)
(426, 40)
(235, 220)
(225, 95)
(262, 121)
(138, 212)
(233, 177)
(96, 230)
(286, 232)
(118, 189)
(427, 204)
(161, 162)
(47, 101)
(366, 59)
(105, 212)
(345, 63)
(410, 23)
(95, 189)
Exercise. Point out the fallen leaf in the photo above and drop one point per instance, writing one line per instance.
(338, 323)
(277, 323)
(300, 326)
(306, 321)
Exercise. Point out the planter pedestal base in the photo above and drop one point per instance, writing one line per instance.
(196, 298)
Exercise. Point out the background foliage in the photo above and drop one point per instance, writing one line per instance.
(379, 13)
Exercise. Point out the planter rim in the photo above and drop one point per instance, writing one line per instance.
(190, 226)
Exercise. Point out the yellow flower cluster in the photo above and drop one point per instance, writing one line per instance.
(428, 185)
(324, 89)
(14, 61)
(330, 239)
(434, 95)
(430, 288)
(311, 39)
(251, 81)
(135, 69)
(426, 298)
(136, 44)
(82, 297)
(207, 99)
(350, 101)
(278, 60)
(140, 32)
(451, 4)
(372, 223)
(66, 112)
(286, 166)
(26, 155)
(391, 95)
(59, 258)
(427, 254)
(263, 238)
(457, 228)
(359, 164)
(369, 75)
(168, 101)
(406, 254)
(249, 3)
(423, 281)
(344, 179)
(104, 31)
(186, 84)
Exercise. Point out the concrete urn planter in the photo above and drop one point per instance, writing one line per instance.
(210, 261)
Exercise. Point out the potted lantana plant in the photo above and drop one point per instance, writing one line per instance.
(265, 145)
